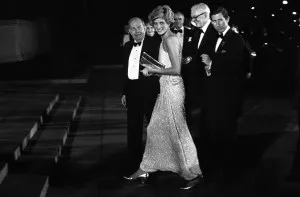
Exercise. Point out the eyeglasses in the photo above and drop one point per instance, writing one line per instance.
(193, 18)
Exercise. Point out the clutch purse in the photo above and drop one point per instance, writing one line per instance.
(147, 59)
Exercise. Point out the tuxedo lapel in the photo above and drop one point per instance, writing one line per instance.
(206, 35)
(130, 46)
(196, 38)
(187, 34)
(145, 45)
(126, 53)
(222, 44)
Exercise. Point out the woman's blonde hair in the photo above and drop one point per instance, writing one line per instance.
(162, 11)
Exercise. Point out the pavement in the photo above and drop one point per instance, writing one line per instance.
(95, 158)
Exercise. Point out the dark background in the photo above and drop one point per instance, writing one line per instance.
(89, 32)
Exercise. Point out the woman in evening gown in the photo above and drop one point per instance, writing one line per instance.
(169, 144)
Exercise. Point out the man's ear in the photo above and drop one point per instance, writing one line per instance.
(228, 18)
(130, 31)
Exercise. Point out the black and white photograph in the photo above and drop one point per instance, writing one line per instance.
(149, 98)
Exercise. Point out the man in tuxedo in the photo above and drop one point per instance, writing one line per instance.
(181, 31)
(139, 92)
(195, 77)
(222, 93)
(184, 35)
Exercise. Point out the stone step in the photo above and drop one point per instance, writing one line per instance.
(38, 163)
(24, 97)
(17, 185)
(17, 129)
(14, 137)
(3, 171)
(48, 136)
(66, 112)
(43, 152)
(21, 109)
(42, 146)
(17, 132)
(10, 151)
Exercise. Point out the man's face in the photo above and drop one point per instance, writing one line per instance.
(199, 17)
(137, 30)
(219, 22)
(178, 21)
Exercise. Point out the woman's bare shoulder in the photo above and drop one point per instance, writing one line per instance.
(172, 40)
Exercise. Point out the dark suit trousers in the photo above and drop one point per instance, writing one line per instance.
(193, 85)
(218, 133)
(138, 108)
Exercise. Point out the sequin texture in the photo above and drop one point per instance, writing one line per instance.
(169, 145)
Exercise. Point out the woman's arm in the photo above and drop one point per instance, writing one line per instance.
(172, 47)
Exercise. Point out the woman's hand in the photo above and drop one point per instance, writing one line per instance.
(186, 60)
(149, 68)
(145, 72)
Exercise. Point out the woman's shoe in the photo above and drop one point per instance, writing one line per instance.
(192, 183)
(138, 176)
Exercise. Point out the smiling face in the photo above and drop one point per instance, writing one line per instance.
(137, 30)
(150, 30)
(161, 26)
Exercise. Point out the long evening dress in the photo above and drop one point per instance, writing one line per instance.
(169, 144)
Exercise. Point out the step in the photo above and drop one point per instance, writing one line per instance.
(17, 185)
(19, 126)
(43, 151)
(9, 151)
(3, 171)
(14, 137)
(39, 164)
(16, 134)
(48, 136)
(66, 112)
(12, 109)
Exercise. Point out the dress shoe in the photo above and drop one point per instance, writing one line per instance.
(192, 183)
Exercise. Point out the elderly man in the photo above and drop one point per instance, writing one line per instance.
(139, 92)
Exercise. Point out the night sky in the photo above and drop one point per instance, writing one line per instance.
(99, 24)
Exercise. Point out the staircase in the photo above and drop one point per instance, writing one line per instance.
(33, 131)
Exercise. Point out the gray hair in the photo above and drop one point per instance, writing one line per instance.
(201, 6)
(134, 19)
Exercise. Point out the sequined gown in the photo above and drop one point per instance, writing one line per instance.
(169, 145)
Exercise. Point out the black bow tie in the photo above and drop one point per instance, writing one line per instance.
(177, 31)
(136, 44)
(221, 36)
(201, 31)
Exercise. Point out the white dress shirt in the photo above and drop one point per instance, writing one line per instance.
(220, 39)
(204, 28)
(180, 36)
(134, 62)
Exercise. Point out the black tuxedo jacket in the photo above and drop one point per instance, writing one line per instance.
(226, 61)
(224, 84)
(144, 86)
(207, 46)
(195, 69)
(187, 40)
